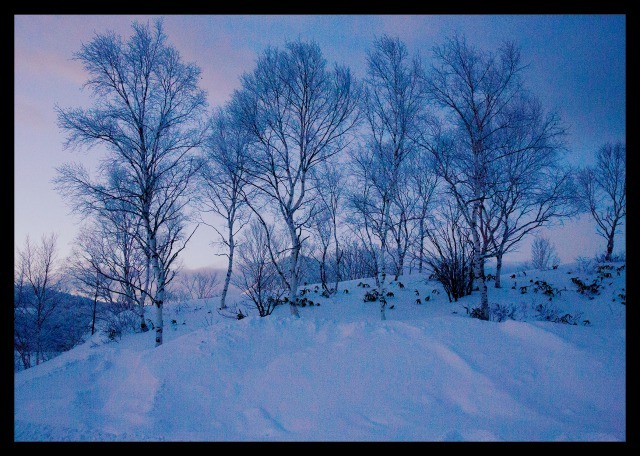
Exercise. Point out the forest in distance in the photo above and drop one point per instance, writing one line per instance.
(306, 175)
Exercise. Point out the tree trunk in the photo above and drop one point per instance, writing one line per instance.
(93, 316)
(293, 268)
(498, 269)
(158, 298)
(383, 275)
(402, 253)
(421, 251)
(39, 331)
(323, 269)
(607, 256)
(143, 296)
(227, 278)
(338, 265)
(478, 262)
(159, 302)
(484, 297)
(38, 350)
(383, 262)
(25, 356)
(338, 255)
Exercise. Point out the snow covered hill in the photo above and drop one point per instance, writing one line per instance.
(550, 367)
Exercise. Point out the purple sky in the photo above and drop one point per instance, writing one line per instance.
(577, 67)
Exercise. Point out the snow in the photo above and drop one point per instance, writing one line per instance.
(428, 373)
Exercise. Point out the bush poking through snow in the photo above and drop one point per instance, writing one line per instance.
(542, 312)
(591, 289)
(548, 312)
(500, 313)
(119, 323)
(371, 296)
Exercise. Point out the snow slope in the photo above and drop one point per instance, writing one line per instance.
(429, 373)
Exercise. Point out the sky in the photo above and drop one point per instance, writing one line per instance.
(577, 67)
(339, 373)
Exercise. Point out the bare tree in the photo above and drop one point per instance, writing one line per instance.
(321, 225)
(543, 254)
(200, 284)
(38, 284)
(146, 115)
(300, 114)
(87, 265)
(258, 278)
(603, 191)
(109, 253)
(331, 190)
(535, 189)
(223, 188)
(475, 91)
(87, 282)
(424, 180)
(368, 210)
(393, 104)
(357, 260)
(402, 229)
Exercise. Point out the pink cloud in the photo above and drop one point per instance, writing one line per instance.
(221, 57)
(38, 62)
(31, 114)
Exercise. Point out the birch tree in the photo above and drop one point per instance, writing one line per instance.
(474, 91)
(403, 216)
(146, 118)
(300, 114)
(393, 106)
(603, 191)
(108, 261)
(323, 231)
(535, 188)
(258, 277)
(424, 179)
(528, 204)
(331, 193)
(223, 188)
(87, 282)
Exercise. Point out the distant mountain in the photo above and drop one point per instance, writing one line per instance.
(66, 326)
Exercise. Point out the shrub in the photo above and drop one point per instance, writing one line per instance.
(371, 296)
(548, 312)
(451, 254)
(233, 312)
(585, 265)
(615, 258)
(500, 313)
(591, 289)
(120, 322)
(545, 289)
(541, 312)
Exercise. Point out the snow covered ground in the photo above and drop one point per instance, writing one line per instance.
(428, 373)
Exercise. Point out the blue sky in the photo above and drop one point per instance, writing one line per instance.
(577, 67)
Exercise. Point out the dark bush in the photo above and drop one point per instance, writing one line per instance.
(371, 296)
(450, 260)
